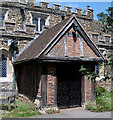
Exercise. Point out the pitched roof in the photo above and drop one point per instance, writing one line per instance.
(40, 44)
(34, 50)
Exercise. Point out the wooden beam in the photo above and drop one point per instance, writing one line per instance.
(66, 45)
(68, 59)
(81, 46)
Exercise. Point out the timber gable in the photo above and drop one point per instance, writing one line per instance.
(49, 38)
(72, 43)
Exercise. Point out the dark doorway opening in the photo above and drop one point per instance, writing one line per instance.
(69, 86)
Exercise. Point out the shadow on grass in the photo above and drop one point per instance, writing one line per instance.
(5, 107)
(24, 109)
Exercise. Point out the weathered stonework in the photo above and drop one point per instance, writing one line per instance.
(106, 84)
(55, 19)
(6, 85)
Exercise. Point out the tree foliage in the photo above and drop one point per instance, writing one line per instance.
(107, 20)
(93, 75)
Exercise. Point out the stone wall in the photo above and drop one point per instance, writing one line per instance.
(12, 25)
(106, 84)
(54, 19)
(6, 85)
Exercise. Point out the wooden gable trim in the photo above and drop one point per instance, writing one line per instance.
(66, 45)
(87, 39)
(81, 31)
(52, 41)
(68, 59)
(52, 44)
(81, 47)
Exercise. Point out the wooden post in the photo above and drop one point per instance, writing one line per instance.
(82, 91)
(81, 46)
(9, 103)
(66, 45)
(44, 86)
(15, 100)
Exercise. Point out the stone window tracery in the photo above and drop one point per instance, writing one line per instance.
(39, 20)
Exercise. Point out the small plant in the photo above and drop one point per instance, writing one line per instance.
(23, 110)
(90, 75)
(103, 101)
(100, 90)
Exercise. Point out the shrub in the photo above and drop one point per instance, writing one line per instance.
(23, 110)
(100, 90)
(103, 100)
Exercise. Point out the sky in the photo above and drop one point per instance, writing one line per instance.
(97, 5)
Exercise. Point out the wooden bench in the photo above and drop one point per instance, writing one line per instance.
(8, 97)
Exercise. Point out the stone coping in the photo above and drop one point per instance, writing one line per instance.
(20, 30)
(36, 6)
(68, 6)
(106, 45)
(44, 2)
(57, 4)
(3, 8)
(9, 22)
(2, 28)
(107, 35)
(79, 9)
(30, 25)
(95, 33)
(19, 36)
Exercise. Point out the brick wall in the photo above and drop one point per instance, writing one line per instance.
(73, 46)
(89, 90)
(51, 78)
(88, 52)
(58, 49)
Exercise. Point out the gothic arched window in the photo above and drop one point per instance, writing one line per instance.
(3, 66)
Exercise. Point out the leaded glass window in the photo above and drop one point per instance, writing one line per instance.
(1, 19)
(42, 23)
(3, 66)
(35, 21)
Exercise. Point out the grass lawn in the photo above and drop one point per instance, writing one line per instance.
(23, 110)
